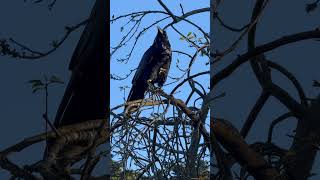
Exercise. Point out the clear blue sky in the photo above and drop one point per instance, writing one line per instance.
(120, 69)
(118, 8)
(280, 18)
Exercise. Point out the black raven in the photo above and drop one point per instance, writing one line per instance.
(153, 67)
(85, 97)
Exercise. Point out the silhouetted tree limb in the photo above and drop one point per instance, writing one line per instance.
(263, 49)
(231, 140)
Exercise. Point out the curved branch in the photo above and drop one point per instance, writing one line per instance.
(15, 170)
(183, 17)
(92, 124)
(6, 50)
(143, 13)
(229, 137)
(258, 9)
(254, 113)
(168, 10)
(291, 77)
(187, 79)
(275, 122)
(260, 50)
(229, 27)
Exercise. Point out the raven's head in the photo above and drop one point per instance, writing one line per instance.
(161, 40)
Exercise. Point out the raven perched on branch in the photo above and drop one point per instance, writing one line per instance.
(85, 97)
(153, 67)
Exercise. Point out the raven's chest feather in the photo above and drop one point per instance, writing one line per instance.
(161, 67)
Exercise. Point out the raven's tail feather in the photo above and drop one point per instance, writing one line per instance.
(136, 93)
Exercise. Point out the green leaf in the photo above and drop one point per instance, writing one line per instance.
(182, 38)
(55, 79)
(54, 44)
(191, 37)
(36, 89)
(37, 86)
(35, 83)
(189, 33)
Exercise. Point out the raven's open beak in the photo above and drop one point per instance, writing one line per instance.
(160, 30)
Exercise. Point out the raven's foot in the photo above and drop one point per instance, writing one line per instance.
(162, 71)
(151, 87)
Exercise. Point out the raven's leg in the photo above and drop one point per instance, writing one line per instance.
(162, 71)
(150, 83)
(151, 86)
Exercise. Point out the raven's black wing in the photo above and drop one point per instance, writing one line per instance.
(85, 95)
(143, 72)
(144, 65)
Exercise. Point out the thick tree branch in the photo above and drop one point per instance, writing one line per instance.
(229, 137)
